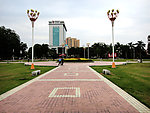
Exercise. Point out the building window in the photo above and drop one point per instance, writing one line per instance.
(55, 36)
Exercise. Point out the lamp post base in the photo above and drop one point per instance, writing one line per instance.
(113, 65)
(32, 66)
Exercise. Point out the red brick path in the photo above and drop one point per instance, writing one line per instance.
(86, 92)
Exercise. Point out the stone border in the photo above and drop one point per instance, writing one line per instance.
(131, 100)
(12, 91)
(71, 74)
(52, 94)
(70, 80)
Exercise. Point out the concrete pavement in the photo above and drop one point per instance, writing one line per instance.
(72, 88)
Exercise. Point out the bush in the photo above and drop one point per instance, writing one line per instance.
(77, 60)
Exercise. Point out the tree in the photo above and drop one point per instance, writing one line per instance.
(132, 50)
(71, 51)
(140, 49)
(42, 51)
(52, 53)
(23, 47)
(125, 51)
(9, 43)
(37, 51)
(76, 52)
(30, 52)
(45, 50)
(148, 47)
(118, 49)
(100, 50)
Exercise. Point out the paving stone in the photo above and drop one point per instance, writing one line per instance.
(82, 91)
(97, 96)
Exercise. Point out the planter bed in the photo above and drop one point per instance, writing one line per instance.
(78, 60)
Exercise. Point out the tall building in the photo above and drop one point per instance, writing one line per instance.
(72, 42)
(57, 33)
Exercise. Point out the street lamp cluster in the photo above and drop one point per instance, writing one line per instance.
(88, 44)
(112, 15)
(33, 15)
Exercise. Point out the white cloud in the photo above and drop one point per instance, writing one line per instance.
(85, 19)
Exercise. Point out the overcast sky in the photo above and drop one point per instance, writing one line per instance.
(84, 19)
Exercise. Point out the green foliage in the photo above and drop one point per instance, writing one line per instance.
(133, 78)
(10, 44)
(148, 48)
(76, 52)
(13, 75)
(128, 51)
(23, 47)
(140, 49)
(100, 50)
(77, 60)
(41, 51)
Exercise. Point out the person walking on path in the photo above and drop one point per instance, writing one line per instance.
(62, 61)
(59, 61)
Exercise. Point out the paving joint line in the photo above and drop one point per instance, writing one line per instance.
(70, 80)
(77, 92)
(71, 74)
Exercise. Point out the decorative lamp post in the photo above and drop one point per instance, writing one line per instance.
(84, 51)
(66, 49)
(63, 50)
(88, 44)
(33, 15)
(112, 15)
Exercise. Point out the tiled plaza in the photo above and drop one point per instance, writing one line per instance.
(71, 88)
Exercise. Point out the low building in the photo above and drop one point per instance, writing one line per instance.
(72, 42)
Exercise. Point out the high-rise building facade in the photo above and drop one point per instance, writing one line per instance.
(57, 33)
(72, 42)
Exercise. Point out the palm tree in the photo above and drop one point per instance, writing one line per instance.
(125, 50)
(132, 49)
(100, 50)
(140, 48)
(118, 49)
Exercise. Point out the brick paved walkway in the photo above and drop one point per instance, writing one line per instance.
(72, 88)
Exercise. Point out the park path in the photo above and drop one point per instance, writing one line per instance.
(71, 88)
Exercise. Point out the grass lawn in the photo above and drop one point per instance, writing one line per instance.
(133, 78)
(13, 75)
